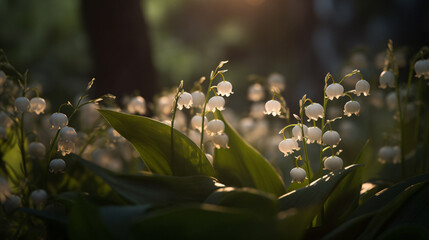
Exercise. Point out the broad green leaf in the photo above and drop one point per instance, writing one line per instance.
(345, 198)
(380, 200)
(243, 166)
(84, 222)
(245, 198)
(152, 139)
(414, 200)
(204, 222)
(408, 208)
(153, 188)
(309, 200)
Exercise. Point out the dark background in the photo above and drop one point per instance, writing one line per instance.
(144, 46)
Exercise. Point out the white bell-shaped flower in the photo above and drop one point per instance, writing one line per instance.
(314, 111)
(22, 104)
(220, 141)
(68, 134)
(137, 105)
(422, 68)
(334, 90)
(185, 100)
(331, 138)
(276, 81)
(39, 197)
(197, 121)
(389, 154)
(387, 79)
(288, 146)
(333, 163)
(215, 127)
(216, 102)
(36, 150)
(297, 174)
(256, 92)
(392, 101)
(314, 135)
(164, 105)
(273, 107)
(57, 165)
(351, 107)
(224, 88)
(362, 87)
(58, 120)
(297, 132)
(198, 99)
(37, 105)
(66, 147)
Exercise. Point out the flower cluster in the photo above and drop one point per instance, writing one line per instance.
(327, 138)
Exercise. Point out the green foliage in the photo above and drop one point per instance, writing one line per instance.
(151, 139)
(147, 188)
(243, 166)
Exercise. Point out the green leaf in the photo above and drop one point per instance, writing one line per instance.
(152, 139)
(409, 208)
(84, 222)
(380, 200)
(309, 200)
(242, 166)
(345, 198)
(152, 188)
(245, 198)
(204, 222)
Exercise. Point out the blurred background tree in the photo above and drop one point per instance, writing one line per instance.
(63, 42)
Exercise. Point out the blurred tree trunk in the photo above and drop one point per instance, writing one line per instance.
(120, 47)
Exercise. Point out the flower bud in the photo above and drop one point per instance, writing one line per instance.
(224, 88)
(334, 90)
(276, 81)
(57, 166)
(58, 120)
(198, 99)
(314, 111)
(215, 127)
(273, 107)
(351, 107)
(216, 102)
(220, 141)
(197, 121)
(333, 163)
(288, 146)
(297, 132)
(331, 138)
(362, 87)
(36, 150)
(39, 197)
(256, 92)
(314, 135)
(422, 68)
(68, 134)
(137, 105)
(22, 104)
(389, 154)
(297, 174)
(37, 105)
(387, 79)
(66, 147)
(185, 100)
